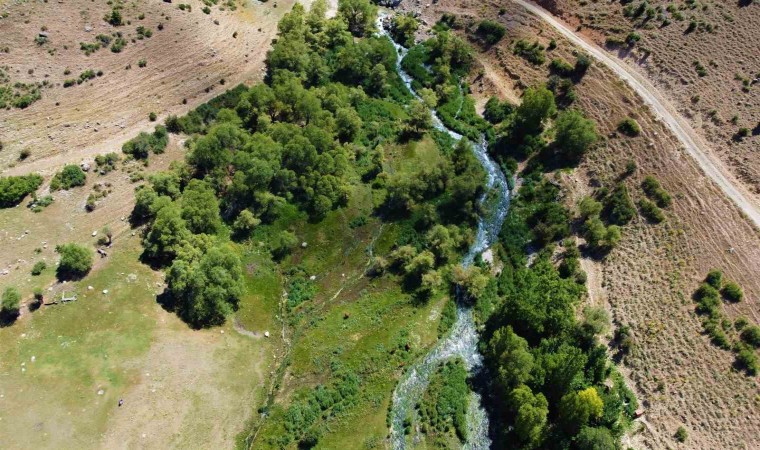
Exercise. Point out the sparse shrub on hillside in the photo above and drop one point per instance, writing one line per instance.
(732, 292)
(114, 17)
(618, 206)
(152, 116)
(746, 359)
(76, 261)
(70, 176)
(653, 190)
(714, 278)
(533, 53)
(701, 71)
(142, 63)
(650, 211)
(491, 32)
(751, 335)
(681, 434)
(561, 67)
(629, 127)
(118, 44)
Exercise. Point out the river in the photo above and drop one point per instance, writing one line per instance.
(462, 340)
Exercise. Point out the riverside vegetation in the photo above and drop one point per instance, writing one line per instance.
(333, 144)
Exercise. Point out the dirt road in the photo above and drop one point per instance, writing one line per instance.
(662, 108)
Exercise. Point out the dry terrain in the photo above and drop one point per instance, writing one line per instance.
(680, 377)
(724, 41)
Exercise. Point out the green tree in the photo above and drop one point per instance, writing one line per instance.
(511, 356)
(360, 15)
(595, 438)
(245, 223)
(751, 335)
(378, 81)
(76, 261)
(420, 118)
(574, 135)
(530, 412)
(537, 106)
(208, 289)
(71, 176)
(11, 302)
(403, 28)
(200, 208)
(588, 207)
(577, 408)
(168, 233)
(348, 124)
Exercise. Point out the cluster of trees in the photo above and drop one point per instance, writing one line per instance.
(14, 189)
(709, 298)
(403, 28)
(553, 381)
(443, 408)
(144, 143)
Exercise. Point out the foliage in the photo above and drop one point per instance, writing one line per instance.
(403, 29)
(618, 206)
(75, 263)
(574, 135)
(360, 15)
(651, 211)
(496, 111)
(681, 434)
(140, 147)
(533, 53)
(653, 190)
(732, 292)
(38, 267)
(629, 127)
(70, 176)
(751, 335)
(491, 32)
(444, 404)
(14, 189)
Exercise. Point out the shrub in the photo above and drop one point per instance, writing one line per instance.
(14, 189)
(11, 301)
(561, 67)
(714, 278)
(681, 434)
(619, 206)
(114, 17)
(496, 111)
(533, 53)
(653, 190)
(403, 28)
(142, 63)
(71, 176)
(747, 359)
(76, 261)
(629, 127)
(751, 335)
(140, 146)
(491, 32)
(632, 38)
(69, 82)
(732, 292)
(651, 211)
(152, 116)
(118, 44)
(38, 267)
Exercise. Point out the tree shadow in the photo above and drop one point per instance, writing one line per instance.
(8, 318)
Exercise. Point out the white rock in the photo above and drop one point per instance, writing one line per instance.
(34, 358)
(304, 244)
(89, 288)
(266, 334)
(94, 233)
(313, 277)
(105, 291)
(101, 392)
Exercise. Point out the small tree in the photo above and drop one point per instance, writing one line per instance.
(732, 292)
(629, 127)
(751, 335)
(9, 310)
(76, 261)
(681, 434)
(714, 278)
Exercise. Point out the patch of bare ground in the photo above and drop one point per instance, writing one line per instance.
(647, 282)
(668, 54)
(186, 60)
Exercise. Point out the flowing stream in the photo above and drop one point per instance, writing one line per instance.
(462, 339)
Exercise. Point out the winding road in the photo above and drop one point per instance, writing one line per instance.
(662, 108)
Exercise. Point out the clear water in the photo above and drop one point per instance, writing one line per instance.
(462, 340)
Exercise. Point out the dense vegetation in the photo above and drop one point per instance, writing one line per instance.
(75, 263)
(14, 189)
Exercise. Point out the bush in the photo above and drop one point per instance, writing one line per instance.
(118, 45)
(491, 32)
(11, 301)
(714, 278)
(653, 190)
(732, 292)
(751, 335)
(747, 359)
(533, 53)
(39, 266)
(140, 147)
(561, 67)
(14, 189)
(71, 176)
(629, 127)
(152, 116)
(619, 206)
(681, 434)
(76, 261)
(650, 211)
(114, 18)
(496, 111)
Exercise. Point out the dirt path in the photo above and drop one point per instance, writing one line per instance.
(695, 146)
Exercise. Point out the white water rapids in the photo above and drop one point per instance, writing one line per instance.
(462, 339)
